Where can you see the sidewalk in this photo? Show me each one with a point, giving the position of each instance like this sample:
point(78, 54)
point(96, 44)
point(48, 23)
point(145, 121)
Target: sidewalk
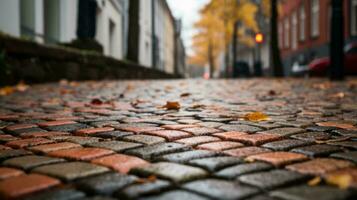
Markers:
point(256, 139)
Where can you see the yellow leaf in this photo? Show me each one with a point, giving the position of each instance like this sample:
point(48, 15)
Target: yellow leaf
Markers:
point(343, 181)
point(256, 117)
point(172, 105)
point(315, 181)
point(7, 90)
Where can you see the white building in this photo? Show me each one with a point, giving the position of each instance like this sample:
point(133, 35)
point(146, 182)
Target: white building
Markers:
point(55, 21)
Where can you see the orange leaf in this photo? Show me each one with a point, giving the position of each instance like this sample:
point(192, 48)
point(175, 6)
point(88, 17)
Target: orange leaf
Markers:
point(7, 90)
point(256, 117)
point(172, 105)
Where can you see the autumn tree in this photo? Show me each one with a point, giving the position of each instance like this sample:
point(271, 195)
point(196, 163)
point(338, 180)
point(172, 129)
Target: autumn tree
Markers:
point(215, 29)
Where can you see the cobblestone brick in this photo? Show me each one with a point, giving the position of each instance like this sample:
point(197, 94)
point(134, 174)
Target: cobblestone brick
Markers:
point(67, 127)
point(201, 130)
point(284, 145)
point(192, 141)
point(285, 131)
point(70, 171)
point(176, 195)
point(141, 189)
point(6, 172)
point(317, 150)
point(186, 156)
point(215, 163)
point(178, 126)
point(149, 152)
point(58, 194)
point(220, 189)
point(24, 184)
point(56, 123)
point(10, 153)
point(171, 171)
point(219, 146)
point(246, 151)
point(43, 134)
point(316, 192)
point(319, 166)
point(241, 169)
point(170, 134)
point(347, 144)
point(240, 128)
point(92, 131)
point(46, 148)
point(272, 179)
point(76, 139)
point(117, 146)
point(113, 134)
point(29, 162)
point(80, 153)
point(278, 158)
point(144, 139)
point(19, 126)
point(27, 142)
point(351, 156)
point(138, 129)
point(105, 184)
point(120, 162)
point(19, 132)
point(312, 136)
point(257, 139)
point(231, 135)
point(7, 138)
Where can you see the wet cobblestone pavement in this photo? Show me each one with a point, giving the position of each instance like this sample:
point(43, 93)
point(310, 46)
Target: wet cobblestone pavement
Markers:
point(256, 139)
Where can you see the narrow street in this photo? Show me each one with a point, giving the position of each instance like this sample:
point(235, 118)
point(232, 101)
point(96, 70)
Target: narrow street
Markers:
point(189, 139)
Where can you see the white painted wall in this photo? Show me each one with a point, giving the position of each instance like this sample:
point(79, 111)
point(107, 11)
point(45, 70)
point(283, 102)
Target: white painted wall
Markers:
point(145, 37)
point(109, 28)
point(68, 20)
point(10, 17)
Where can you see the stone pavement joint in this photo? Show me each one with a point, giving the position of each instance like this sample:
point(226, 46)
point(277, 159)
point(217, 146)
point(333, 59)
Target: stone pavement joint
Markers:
point(71, 146)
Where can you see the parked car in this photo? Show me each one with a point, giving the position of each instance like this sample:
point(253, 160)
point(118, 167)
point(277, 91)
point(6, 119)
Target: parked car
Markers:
point(320, 66)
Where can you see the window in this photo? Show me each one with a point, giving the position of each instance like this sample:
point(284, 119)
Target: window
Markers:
point(286, 33)
point(354, 17)
point(294, 31)
point(302, 21)
point(315, 8)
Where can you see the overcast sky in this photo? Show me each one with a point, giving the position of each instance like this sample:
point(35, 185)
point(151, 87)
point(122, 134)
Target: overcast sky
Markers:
point(188, 11)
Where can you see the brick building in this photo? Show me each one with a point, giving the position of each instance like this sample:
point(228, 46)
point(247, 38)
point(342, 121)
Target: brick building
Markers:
point(304, 29)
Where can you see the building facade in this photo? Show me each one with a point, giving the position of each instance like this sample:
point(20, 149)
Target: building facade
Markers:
point(55, 21)
point(304, 29)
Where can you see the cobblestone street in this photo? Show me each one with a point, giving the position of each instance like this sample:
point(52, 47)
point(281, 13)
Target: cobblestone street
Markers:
point(256, 139)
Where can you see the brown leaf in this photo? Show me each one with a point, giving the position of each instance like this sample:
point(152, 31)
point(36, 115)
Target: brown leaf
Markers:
point(256, 117)
point(272, 93)
point(21, 86)
point(185, 94)
point(96, 102)
point(172, 105)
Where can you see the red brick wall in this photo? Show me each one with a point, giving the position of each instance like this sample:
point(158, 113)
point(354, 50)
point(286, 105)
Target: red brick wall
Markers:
point(288, 8)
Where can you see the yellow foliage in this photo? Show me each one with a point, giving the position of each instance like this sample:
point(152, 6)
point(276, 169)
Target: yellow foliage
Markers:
point(216, 26)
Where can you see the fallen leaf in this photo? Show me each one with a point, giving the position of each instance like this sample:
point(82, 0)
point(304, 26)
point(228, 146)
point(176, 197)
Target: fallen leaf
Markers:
point(272, 93)
point(315, 181)
point(21, 86)
point(343, 181)
point(96, 102)
point(196, 106)
point(172, 105)
point(185, 94)
point(256, 117)
point(150, 179)
point(7, 90)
